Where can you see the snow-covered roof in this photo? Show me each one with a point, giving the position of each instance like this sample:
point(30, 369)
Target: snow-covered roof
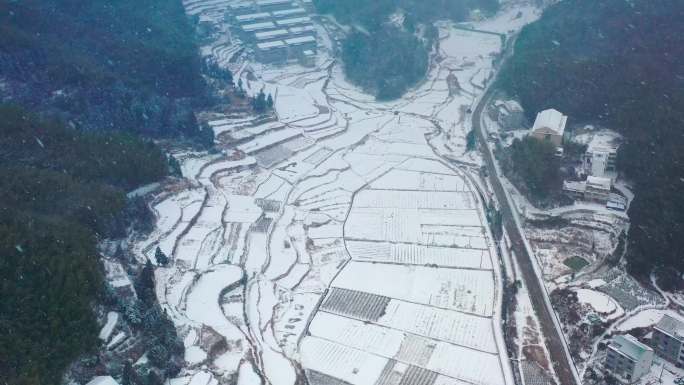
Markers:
point(574, 186)
point(671, 326)
point(103, 380)
point(294, 20)
point(289, 12)
point(271, 34)
point(273, 2)
point(252, 16)
point(301, 40)
point(629, 346)
point(258, 26)
point(551, 119)
point(302, 28)
point(599, 182)
point(509, 105)
point(241, 5)
point(271, 45)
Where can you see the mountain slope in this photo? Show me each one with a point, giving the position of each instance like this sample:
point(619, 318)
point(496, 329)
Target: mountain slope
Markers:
point(620, 63)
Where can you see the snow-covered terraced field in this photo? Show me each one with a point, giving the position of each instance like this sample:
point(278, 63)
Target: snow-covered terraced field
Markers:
point(345, 241)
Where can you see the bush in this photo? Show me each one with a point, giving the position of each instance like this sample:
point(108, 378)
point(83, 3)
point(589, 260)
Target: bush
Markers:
point(536, 163)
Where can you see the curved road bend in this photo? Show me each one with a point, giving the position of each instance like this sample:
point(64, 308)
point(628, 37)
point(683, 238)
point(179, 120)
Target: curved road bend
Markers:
point(565, 369)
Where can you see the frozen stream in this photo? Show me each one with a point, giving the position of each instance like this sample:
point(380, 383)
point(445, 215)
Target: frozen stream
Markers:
point(349, 243)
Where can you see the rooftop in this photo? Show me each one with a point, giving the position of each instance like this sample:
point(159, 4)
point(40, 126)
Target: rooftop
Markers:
point(295, 20)
point(302, 29)
point(273, 2)
point(575, 186)
point(552, 119)
point(671, 326)
point(258, 26)
point(599, 182)
point(271, 34)
point(301, 40)
point(289, 12)
point(629, 346)
point(271, 45)
point(252, 16)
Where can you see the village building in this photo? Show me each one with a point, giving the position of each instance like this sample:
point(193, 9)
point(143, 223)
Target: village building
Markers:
point(287, 13)
point(595, 189)
point(304, 20)
point(280, 30)
point(598, 189)
point(628, 359)
point(256, 27)
point(509, 114)
point(549, 126)
point(271, 52)
point(252, 17)
point(271, 35)
point(301, 30)
point(668, 338)
point(308, 58)
point(600, 161)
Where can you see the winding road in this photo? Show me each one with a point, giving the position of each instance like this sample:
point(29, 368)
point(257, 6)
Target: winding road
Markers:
point(555, 342)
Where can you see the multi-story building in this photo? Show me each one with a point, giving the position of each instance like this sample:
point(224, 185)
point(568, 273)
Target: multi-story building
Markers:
point(668, 338)
point(628, 359)
point(549, 126)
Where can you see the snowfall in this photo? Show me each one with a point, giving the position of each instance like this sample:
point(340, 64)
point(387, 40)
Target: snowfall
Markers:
point(347, 241)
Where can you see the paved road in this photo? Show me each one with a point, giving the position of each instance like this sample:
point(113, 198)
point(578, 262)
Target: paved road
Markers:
point(538, 295)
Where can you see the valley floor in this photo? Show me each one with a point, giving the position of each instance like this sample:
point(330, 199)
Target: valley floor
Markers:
point(344, 239)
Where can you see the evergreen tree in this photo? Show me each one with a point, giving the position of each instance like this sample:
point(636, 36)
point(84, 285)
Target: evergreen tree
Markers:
point(153, 378)
point(129, 376)
point(162, 259)
point(206, 135)
point(144, 285)
point(259, 102)
point(158, 355)
point(174, 166)
point(120, 255)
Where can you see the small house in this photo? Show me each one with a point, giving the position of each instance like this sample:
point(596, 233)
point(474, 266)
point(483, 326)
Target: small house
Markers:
point(549, 126)
point(628, 359)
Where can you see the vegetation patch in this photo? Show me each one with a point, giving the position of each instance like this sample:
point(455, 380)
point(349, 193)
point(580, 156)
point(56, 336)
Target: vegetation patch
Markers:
point(387, 52)
point(576, 263)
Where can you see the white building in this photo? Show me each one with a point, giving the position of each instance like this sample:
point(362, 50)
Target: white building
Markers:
point(668, 339)
point(628, 359)
point(510, 114)
point(550, 126)
point(598, 189)
point(601, 161)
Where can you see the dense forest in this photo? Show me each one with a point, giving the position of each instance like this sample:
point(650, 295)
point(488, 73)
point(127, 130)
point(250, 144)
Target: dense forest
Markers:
point(128, 65)
point(619, 63)
point(87, 81)
point(532, 165)
point(62, 190)
point(404, 42)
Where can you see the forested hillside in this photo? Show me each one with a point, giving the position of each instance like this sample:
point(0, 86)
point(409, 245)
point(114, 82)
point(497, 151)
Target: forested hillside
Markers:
point(87, 81)
point(388, 57)
point(620, 63)
point(61, 191)
point(128, 65)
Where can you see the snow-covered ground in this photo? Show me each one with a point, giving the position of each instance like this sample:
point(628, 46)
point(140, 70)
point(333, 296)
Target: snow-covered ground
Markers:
point(347, 240)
